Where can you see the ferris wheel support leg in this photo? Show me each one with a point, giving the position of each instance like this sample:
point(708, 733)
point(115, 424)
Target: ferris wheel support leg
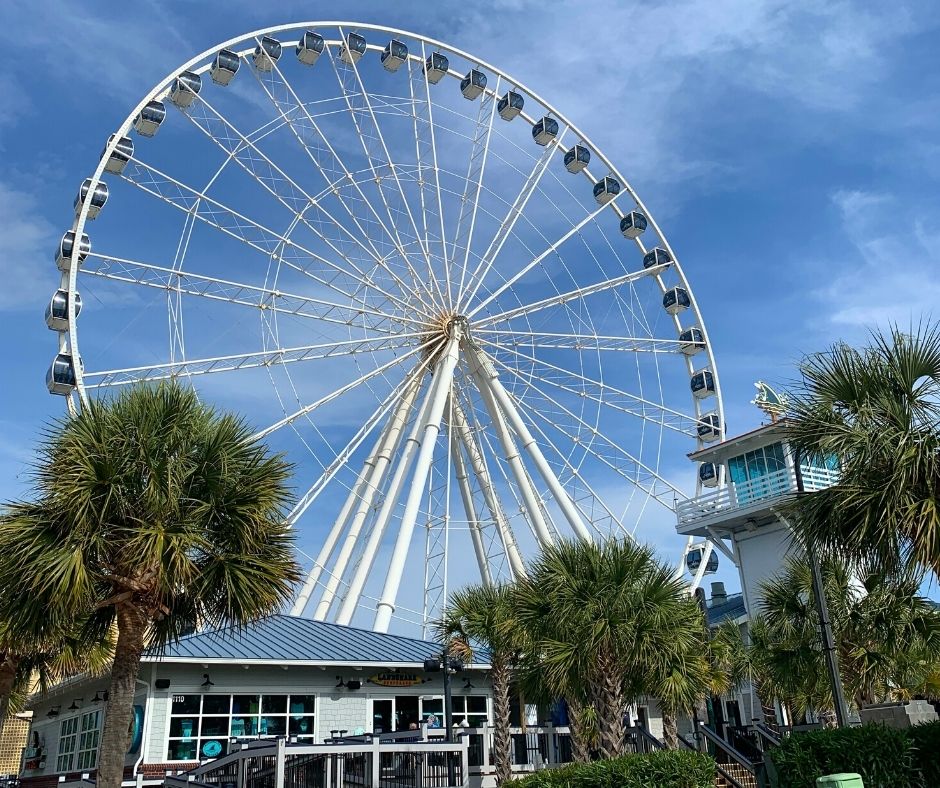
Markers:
point(354, 592)
point(377, 465)
point(443, 377)
point(486, 373)
point(466, 495)
point(478, 466)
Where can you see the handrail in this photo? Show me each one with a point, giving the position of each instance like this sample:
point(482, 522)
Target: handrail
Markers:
point(767, 733)
point(645, 734)
point(721, 744)
point(731, 780)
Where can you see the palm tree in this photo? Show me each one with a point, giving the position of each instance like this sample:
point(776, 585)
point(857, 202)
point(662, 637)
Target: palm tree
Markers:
point(483, 615)
point(157, 513)
point(876, 410)
point(606, 616)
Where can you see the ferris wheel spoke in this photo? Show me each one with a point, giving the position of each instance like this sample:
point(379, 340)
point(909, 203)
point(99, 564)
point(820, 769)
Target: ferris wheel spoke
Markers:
point(551, 249)
point(571, 295)
point(176, 280)
point(469, 507)
point(266, 358)
point(278, 183)
point(233, 223)
point(506, 226)
point(380, 159)
point(603, 393)
point(517, 338)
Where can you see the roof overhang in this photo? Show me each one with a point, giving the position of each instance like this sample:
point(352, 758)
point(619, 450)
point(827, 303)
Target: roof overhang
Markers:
point(311, 663)
point(730, 444)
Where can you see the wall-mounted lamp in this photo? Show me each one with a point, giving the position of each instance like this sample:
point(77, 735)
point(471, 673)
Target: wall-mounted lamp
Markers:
point(208, 682)
point(352, 684)
point(466, 684)
point(53, 712)
point(75, 706)
point(100, 696)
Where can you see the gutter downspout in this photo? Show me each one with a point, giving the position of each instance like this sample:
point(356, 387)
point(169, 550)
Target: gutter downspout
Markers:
point(145, 728)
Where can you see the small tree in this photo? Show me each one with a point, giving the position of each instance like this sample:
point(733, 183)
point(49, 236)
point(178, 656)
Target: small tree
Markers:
point(157, 513)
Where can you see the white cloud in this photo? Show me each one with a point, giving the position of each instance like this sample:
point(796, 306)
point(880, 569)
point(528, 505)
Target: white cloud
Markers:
point(28, 243)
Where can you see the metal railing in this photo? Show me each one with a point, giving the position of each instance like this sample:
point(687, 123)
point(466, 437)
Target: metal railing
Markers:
point(763, 488)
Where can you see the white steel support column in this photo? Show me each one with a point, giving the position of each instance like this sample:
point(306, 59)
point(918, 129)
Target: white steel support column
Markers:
point(443, 377)
point(351, 598)
point(378, 464)
point(466, 495)
point(485, 373)
point(478, 466)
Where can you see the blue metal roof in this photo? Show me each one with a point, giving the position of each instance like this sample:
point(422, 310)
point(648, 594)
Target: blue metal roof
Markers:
point(284, 638)
point(731, 608)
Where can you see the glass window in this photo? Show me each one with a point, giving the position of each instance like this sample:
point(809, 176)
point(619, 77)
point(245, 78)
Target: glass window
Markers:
point(67, 741)
point(758, 473)
point(216, 704)
point(273, 704)
point(88, 740)
point(185, 704)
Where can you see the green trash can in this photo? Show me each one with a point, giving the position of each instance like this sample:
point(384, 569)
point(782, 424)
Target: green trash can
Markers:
point(846, 780)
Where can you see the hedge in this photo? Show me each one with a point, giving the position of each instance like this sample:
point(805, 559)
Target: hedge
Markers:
point(660, 769)
point(884, 757)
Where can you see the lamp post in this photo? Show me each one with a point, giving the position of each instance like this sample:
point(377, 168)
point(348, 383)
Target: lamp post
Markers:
point(448, 665)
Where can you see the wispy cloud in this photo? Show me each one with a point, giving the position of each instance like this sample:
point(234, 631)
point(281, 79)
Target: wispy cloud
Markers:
point(28, 241)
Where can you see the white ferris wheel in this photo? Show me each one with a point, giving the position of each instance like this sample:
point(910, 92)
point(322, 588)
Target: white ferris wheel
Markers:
point(419, 279)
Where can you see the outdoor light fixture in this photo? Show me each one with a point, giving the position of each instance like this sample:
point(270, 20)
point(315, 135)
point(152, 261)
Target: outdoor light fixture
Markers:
point(100, 696)
point(466, 684)
point(208, 682)
point(53, 712)
point(352, 684)
point(75, 706)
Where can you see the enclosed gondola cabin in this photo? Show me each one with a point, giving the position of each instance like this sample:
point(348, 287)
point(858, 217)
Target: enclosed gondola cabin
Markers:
point(510, 105)
point(60, 379)
point(657, 256)
point(310, 47)
point(702, 384)
point(606, 189)
point(267, 53)
point(354, 47)
point(633, 225)
point(545, 130)
point(57, 311)
point(96, 200)
point(676, 300)
point(577, 158)
point(693, 560)
point(148, 120)
point(185, 89)
point(435, 67)
point(709, 428)
point(708, 474)
point(63, 252)
point(224, 67)
point(473, 84)
point(394, 55)
point(122, 153)
point(691, 341)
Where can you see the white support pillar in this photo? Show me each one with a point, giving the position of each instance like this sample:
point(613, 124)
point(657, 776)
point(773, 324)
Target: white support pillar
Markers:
point(485, 373)
point(354, 592)
point(478, 466)
point(443, 377)
point(377, 464)
point(466, 495)
point(706, 554)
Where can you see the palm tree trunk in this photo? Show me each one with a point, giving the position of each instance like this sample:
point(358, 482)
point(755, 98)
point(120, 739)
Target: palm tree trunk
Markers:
point(8, 667)
point(580, 735)
point(670, 731)
point(502, 755)
point(612, 706)
point(116, 735)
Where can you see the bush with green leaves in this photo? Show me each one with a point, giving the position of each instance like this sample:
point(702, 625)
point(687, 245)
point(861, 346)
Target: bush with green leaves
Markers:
point(925, 743)
point(661, 769)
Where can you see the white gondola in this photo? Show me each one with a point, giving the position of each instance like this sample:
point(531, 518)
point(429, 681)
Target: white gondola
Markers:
point(224, 67)
point(545, 130)
point(693, 561)
point(633, 225)
point(657, 256)
point(57, 311)
point(96, 201)
point(394, 55)
point(691, 341)
point(708, 474)
point(267, 53)
point(709, 427)
point(702, 384)
point(310, 47)
point(435, 67)
point(510, 105)
point(185, 89)
point(121, 154)
point(148, 120)
point(473, 84)
point(63, 252)
point(676, 300)
point(354, 47)
point(606, 189)
point(577, 158)
point(60, 379)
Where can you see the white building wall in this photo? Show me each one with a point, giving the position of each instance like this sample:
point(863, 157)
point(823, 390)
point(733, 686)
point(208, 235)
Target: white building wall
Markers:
point(761, 555)
point(341, 712)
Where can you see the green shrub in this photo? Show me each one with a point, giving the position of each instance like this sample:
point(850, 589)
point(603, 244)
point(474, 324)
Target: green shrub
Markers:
point(662, 769)
point(925, 743)
point(882, 756)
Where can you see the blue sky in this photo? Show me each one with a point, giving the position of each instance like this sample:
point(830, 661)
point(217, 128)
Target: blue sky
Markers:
point(789, 151)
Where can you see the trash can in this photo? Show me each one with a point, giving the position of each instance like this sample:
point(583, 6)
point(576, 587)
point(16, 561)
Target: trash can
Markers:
point(845, 780)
